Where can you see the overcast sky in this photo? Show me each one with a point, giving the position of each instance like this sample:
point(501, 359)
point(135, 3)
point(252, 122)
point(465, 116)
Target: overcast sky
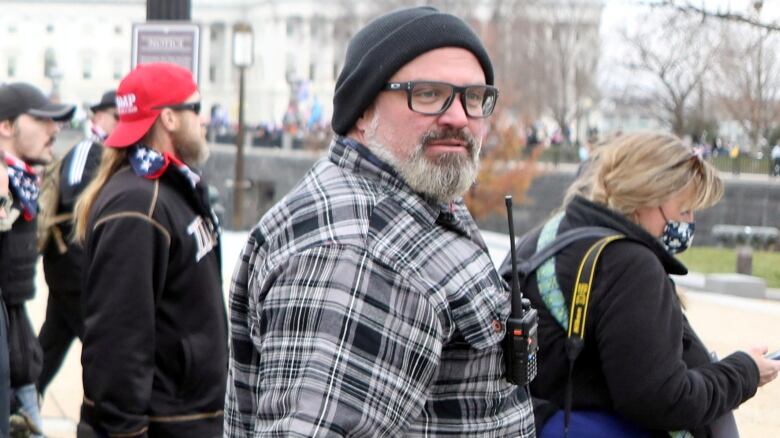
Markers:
point(620, 14)
point(616, 12)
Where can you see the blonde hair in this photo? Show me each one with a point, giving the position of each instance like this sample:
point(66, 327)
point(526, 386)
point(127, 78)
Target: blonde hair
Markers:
point(645, 170)
point(112, 160)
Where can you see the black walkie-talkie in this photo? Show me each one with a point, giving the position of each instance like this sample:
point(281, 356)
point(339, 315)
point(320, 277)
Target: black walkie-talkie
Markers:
point(520, 342)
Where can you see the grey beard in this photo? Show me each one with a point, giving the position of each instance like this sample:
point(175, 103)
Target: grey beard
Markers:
point(442, 180)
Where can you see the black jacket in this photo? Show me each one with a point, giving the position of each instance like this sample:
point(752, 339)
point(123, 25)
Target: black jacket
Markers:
point(641, 358)
point(79, 165)
point(155, 343)
point(18, 256)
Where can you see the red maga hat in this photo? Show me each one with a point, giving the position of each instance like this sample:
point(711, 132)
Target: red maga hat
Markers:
point(140, 96)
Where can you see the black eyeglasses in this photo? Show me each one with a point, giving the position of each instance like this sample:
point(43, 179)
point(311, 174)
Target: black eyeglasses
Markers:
point(433, 98)
point(192, 106)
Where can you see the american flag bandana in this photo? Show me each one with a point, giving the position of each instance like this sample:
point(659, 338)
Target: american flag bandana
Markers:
point(150, 164)
point(24, 184)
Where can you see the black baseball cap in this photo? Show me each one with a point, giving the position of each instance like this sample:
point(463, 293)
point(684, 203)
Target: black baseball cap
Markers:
point(20, 98)
point(107, 101)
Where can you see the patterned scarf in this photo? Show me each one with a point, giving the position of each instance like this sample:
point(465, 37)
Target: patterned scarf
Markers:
point(24, 184)
point(150, 164)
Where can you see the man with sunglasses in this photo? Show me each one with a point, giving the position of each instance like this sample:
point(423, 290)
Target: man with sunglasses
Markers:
point(29, 123)
point(365, 302)
point(154, 352)
point(62, 258)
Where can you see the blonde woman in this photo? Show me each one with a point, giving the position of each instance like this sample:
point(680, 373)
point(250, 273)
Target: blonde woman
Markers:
point(642, 370)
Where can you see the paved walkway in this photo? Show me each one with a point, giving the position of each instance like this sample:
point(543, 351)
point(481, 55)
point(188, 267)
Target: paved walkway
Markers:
point(725, 323)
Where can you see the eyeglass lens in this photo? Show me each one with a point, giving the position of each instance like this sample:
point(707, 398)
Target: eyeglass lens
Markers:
point(194, 107)
point(435, 98)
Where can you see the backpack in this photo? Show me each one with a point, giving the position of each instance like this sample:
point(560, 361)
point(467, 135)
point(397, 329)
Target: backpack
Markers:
point(48, 205)
point(572, 320)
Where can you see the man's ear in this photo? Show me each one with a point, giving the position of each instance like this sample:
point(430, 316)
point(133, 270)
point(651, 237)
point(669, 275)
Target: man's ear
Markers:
point(364, 121)
point(169, 119)
point(6, 129)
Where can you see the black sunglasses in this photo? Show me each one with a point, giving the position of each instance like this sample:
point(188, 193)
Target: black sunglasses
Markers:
point(192, 106)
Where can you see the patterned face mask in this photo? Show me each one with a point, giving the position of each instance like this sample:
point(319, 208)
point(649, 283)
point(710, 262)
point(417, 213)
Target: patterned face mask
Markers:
point(677, 236)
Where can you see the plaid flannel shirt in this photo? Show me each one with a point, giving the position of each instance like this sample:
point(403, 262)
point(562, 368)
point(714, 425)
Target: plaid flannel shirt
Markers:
point(360, 309)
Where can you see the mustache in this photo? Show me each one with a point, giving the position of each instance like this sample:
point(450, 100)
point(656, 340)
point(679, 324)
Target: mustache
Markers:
point(449, 134)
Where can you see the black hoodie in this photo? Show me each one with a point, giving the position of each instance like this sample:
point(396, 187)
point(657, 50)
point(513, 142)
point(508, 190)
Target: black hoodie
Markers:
point(155, 341)
point(641, 358)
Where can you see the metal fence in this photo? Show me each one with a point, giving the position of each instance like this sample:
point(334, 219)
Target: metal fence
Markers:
point(742, 164)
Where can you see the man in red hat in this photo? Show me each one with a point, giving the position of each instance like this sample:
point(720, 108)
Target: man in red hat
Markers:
point(29, 124)
point(62, 259)
point(155, 331)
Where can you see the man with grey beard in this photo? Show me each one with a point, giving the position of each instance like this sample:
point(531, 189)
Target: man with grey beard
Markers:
point(365, 302)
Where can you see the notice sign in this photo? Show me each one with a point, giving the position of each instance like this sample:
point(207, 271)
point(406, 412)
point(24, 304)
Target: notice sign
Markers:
point(174, 42)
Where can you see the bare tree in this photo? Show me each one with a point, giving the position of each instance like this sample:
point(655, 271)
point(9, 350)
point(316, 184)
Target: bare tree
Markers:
point(547, 52)
point(697, 9)
point(749, 75)
point(670, 60)
point(573, 57)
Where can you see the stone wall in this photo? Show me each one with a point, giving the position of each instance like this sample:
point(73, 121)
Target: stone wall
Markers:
point(749, 200)
point(271, 172)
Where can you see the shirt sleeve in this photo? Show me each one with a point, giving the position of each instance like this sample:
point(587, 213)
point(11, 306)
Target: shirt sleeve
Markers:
point(640, 340)
point(126, 269)
point(348, 347)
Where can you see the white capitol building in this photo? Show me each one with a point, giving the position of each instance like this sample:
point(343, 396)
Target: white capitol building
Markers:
point(77, 49)
point(85, 46)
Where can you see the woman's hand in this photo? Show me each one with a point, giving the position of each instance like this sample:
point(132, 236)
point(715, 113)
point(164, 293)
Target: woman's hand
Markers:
point(767, 368)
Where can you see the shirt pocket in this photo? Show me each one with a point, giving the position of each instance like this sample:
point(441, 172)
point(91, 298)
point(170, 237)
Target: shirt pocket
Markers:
point(480, 314)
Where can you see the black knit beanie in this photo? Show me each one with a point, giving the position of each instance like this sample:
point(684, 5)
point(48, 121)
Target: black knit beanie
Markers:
point(388, 43)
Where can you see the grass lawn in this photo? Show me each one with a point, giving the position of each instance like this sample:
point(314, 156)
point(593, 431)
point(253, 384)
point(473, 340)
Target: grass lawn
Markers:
point(721, 260)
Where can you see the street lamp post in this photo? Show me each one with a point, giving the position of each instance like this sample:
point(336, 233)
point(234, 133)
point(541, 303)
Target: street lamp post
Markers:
point(243, 57)
point(760, 81)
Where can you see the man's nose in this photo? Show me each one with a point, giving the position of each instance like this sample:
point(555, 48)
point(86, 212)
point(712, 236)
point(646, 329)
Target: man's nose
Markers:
point(455, 115)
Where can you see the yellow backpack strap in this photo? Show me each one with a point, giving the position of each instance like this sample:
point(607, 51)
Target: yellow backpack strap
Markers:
point(581, 294)
point(578, 314)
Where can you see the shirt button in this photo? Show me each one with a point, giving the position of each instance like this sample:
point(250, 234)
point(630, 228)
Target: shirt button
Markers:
point(497, 326)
